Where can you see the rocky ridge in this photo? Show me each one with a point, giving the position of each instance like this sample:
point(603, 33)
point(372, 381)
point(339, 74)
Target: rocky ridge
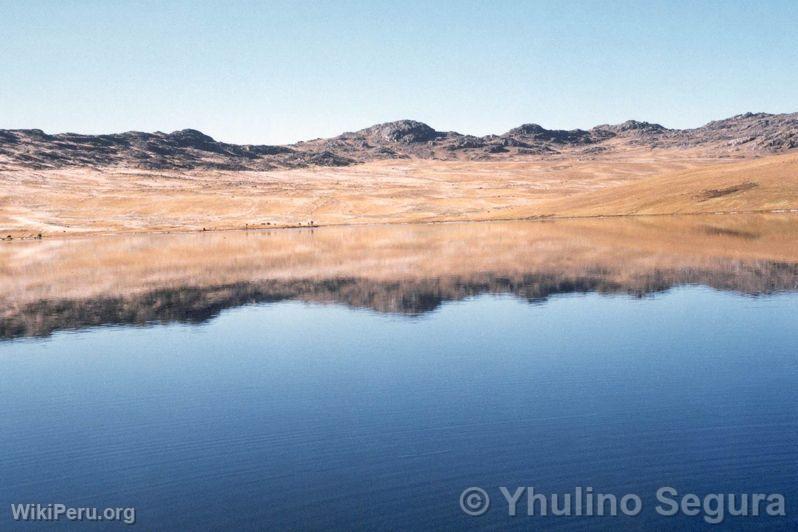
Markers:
point(190, 149)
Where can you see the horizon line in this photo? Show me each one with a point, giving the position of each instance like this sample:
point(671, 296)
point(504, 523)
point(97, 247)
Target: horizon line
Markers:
point(376, 124)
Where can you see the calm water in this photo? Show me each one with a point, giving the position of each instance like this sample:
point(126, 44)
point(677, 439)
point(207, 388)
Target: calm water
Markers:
point(377, 412)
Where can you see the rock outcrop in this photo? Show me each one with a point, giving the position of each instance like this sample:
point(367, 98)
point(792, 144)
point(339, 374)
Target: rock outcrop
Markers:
point(190, 149)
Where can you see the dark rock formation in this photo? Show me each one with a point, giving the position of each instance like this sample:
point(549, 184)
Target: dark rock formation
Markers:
point(402, 131)
point(632, 127)
point(190, 149)
point(761, 131)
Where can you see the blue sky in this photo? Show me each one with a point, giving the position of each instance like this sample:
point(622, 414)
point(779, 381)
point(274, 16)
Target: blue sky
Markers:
point(274, 72)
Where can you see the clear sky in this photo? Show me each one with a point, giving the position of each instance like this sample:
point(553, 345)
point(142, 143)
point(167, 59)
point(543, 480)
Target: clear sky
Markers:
point(274, 72)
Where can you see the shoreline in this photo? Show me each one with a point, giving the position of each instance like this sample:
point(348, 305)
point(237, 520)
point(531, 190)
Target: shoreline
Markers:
point(541, 218)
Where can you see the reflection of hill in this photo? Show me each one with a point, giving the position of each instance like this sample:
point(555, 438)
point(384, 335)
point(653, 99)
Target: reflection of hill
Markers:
point(52, 285)
point(193, 304)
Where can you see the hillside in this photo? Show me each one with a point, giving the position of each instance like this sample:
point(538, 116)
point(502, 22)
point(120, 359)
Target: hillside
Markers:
point(190, 149)
point(60, 185)
point(767, 184)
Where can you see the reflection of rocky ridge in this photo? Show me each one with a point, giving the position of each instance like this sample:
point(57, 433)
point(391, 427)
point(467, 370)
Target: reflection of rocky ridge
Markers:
point(190, 149)
point(189, 304)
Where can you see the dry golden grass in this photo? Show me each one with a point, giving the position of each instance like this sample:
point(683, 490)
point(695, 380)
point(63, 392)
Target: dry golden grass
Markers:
point(765, 185)
point(81, 201)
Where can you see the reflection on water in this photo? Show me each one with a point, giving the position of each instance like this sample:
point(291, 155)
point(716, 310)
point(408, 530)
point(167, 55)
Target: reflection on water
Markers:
point(71, 284)
point(290, 416)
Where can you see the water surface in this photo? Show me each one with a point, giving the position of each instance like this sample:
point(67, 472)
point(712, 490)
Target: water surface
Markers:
point(364, 377)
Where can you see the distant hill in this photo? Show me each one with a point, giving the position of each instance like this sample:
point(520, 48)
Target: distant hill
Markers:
point(190, 149)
